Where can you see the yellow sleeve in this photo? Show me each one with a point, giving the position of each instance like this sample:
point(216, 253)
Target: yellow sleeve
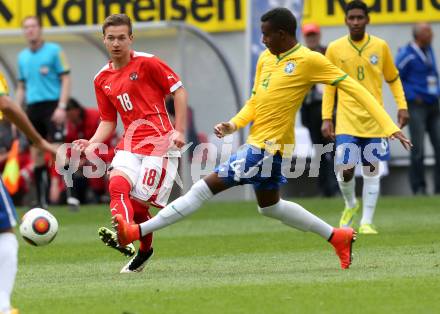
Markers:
point(391, 75)
point(398, 93)
point(321, 70)
point(3, 85)
point(328, 99)
point(247, 113)
point(364, 98)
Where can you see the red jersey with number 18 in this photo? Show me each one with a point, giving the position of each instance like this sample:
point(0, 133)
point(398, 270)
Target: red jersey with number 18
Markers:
point(137, 91)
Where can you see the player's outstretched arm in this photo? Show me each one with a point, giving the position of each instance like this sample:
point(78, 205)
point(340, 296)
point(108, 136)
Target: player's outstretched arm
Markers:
point(363, 97)
point(103, 132)
point(16, 115)
point(224, 128)
point(406, 143)
point(367, 100)
point(323, 71)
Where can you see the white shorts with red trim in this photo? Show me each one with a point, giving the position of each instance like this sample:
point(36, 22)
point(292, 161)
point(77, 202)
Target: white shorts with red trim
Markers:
point(152, 177)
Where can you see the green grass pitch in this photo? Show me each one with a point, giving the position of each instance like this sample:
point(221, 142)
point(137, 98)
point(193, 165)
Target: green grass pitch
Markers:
point(228, 259)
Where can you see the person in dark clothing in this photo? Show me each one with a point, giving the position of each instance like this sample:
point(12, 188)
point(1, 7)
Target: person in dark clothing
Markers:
point(418, 71)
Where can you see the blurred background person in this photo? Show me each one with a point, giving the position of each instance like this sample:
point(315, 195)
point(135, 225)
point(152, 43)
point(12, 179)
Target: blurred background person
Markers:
point(82, 122)
point(418, 71)
point(311, 117)
point(359, 138)
point(44, 87)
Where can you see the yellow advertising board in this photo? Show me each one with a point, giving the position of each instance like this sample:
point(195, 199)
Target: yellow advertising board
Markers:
point(9, 13)
point(209, 15)
point(331, 13)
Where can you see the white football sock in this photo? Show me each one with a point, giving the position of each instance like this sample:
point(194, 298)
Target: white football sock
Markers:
point(178, 209)
point(348, 192)
point(8, 268)
point(296, 216)
point(370, 194)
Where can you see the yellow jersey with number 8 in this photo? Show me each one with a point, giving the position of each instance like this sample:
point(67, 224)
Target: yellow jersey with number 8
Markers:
point(369, 62)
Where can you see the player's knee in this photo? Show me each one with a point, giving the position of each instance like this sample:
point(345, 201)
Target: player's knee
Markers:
point(348, 174)
point(371, 172)
point(270, 211)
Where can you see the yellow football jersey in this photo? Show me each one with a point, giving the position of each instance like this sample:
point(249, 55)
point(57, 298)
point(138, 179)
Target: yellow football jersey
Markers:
point(3, 85)
point(3, 89)
point(281, 82)
point(369, 62)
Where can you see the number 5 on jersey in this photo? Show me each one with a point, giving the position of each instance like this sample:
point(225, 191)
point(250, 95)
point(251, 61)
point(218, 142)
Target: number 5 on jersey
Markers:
point(126, 104)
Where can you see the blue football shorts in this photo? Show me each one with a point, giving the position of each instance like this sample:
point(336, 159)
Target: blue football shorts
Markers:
point(352, 149)
point(8, 215)
point(253, 165)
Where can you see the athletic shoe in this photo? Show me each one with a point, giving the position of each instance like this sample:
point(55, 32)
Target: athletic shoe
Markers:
point(368, 229)
point(126, 233)
point(342, 240)
point(73, 203)
point(137, 263)
point(347, 216)
point(109, 238)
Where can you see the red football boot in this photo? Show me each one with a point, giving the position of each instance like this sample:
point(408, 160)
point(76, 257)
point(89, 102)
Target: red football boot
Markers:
point(126, 232)
point(342, 240)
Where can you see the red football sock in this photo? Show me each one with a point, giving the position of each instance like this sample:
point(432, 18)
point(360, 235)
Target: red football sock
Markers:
point(120, 202)
point(142, 214)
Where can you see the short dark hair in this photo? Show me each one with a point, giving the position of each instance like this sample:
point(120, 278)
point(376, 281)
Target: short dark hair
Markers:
point(73, 104)
point(117, 20)
point(32, 17)
point(281, 18)
point(356, 4)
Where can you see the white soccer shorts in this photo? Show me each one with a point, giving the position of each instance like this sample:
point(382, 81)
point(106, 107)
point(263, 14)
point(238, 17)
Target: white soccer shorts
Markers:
point(152, 176)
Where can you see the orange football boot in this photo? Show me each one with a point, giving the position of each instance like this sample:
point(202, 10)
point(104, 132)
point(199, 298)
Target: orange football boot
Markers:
point(126, 232)
point(342, 240)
